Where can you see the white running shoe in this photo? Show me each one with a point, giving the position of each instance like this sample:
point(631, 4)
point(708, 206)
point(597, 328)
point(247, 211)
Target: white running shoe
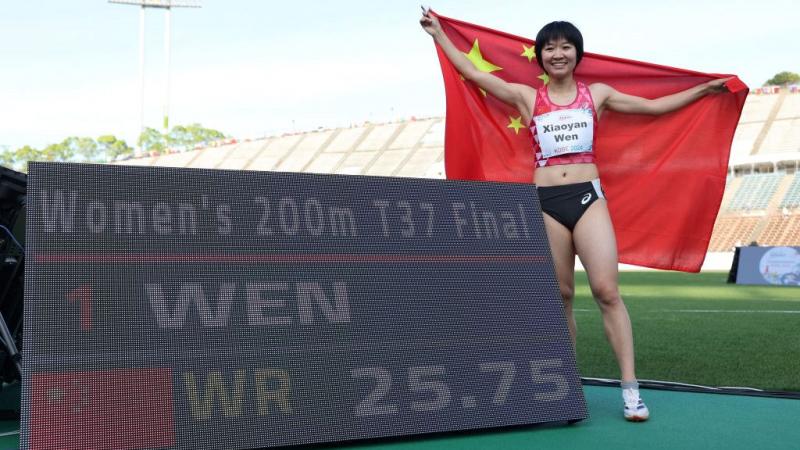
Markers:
point(635, 409)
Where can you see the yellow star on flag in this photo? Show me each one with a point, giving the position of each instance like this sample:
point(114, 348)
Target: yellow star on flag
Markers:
point(516, 123)
point(477, 59)
point(544, 78)
point(530, 52)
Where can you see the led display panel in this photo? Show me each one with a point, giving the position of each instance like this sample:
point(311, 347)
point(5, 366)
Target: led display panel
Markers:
point(203, 309)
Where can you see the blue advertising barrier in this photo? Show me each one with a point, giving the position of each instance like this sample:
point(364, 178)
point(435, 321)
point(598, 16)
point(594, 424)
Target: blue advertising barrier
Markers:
point(768, 265)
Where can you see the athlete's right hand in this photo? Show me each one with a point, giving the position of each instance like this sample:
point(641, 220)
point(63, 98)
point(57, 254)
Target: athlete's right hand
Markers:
point(430, 23)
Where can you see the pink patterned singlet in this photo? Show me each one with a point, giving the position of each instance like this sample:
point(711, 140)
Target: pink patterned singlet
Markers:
point(564, 134)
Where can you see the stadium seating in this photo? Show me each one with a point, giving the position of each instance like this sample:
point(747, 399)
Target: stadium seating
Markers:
point(732, 231)
point(781, 229)
point(789, 108)
point(305, 150)
point(744, 139)
point(755, 191)
point(413, 148)
point(757, 108)
point(792, 197)
point(211, 158)
point(244, 154)
point(410, 135)
point(757, 210)
point(346, 140)
point(783, 136)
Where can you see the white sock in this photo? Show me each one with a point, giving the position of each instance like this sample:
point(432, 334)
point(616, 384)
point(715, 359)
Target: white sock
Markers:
point(629, 385)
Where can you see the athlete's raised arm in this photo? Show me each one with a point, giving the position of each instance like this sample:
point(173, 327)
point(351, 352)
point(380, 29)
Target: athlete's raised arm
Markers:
point(515, 95)
point(607, 97)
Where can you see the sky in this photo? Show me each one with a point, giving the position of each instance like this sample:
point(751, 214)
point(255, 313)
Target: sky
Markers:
point(253, 68)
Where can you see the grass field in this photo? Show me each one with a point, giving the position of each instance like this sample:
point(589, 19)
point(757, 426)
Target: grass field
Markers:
point(695, 328)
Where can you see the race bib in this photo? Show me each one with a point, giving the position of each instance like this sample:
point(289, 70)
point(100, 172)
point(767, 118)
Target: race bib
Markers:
point(565, 131)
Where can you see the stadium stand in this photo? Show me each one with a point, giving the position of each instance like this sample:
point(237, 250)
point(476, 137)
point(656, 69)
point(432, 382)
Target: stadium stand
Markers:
point(790, 107)
point(413, 148)
point(764, 208)
point(273, 153)
point(731, 187)
point(244, 155)
point(210, 158)
point(762, 196)
point(755, 191)
point(745, 139)
point(755, 115)
point(732, 231)
point(306, 149)
point(792, 197)
point(783, 137)
point(761, 201)
point(780, 230)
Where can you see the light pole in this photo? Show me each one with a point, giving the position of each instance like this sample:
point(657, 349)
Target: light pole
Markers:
point(167, 6)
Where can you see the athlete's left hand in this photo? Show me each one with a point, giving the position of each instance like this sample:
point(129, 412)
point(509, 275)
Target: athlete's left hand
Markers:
point(717, 85)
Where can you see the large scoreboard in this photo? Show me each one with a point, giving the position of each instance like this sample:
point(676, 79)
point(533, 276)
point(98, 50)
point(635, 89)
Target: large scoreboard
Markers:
point(208, 309)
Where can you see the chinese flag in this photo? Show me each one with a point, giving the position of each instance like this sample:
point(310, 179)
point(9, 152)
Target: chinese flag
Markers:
point(121, 409)
point(664, 176)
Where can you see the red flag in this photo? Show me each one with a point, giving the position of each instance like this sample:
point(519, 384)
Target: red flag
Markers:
point(664, 176)
point(114, 409)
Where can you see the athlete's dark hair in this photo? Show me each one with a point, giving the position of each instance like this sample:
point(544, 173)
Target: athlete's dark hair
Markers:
point(559, 30)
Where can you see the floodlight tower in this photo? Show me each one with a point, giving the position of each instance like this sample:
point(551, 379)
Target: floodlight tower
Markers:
point(167, 6)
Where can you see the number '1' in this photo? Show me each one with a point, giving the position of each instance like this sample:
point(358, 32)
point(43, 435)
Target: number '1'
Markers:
point(83, 295)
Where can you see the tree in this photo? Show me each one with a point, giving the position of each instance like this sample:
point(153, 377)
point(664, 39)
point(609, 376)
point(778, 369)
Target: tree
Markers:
point(55, 152)
point(21, 156)
point(82, 149)
point(151, 140)
point(107, 147)
point(783, 79)
point(192, 134)
point(71, 149)
point(113, 148)
point(6, 158)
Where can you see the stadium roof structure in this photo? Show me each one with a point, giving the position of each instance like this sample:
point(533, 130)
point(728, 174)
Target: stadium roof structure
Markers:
point(775, 160)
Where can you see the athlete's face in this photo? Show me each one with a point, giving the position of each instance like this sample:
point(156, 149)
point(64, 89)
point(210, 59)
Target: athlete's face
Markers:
point(559, 57)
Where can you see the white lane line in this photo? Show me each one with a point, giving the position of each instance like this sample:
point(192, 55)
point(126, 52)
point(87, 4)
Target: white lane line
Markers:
point(716, 311)
point(9, 433)
point(733, 311)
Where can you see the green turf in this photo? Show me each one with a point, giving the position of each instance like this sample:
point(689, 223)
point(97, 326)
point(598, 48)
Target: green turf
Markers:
point(756, 343)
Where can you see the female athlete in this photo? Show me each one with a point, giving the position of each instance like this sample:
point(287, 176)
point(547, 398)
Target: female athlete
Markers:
point(575, 212)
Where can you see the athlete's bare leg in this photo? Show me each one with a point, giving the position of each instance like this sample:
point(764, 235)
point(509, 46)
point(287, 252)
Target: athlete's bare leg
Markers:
point(561, 247)
point(596, 245)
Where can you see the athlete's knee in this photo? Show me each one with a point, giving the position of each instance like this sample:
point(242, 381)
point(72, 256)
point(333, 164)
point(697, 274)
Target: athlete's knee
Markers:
point(567, 293)
point(606, 294)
